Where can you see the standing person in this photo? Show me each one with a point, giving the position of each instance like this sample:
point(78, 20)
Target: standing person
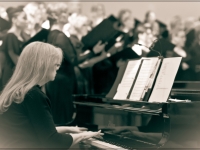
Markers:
point(12, 42)
point(25, 114)
point(140, 37)
point(151, 22)
point(61, 89)
point(195, 54)
point(86, 58)
point(98, 14)
point(36, 16)
point(127, 25)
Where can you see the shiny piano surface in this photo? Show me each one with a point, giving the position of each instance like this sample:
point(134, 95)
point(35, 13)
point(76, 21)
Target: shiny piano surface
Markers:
point(139, 124)
point(186, 90)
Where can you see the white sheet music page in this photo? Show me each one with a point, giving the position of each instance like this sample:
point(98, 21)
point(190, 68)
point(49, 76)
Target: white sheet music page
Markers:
point(127, 80)
point(144, 78)
point(165, 79)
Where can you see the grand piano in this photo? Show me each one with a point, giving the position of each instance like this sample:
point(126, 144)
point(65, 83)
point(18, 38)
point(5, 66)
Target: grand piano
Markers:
point(140, 124)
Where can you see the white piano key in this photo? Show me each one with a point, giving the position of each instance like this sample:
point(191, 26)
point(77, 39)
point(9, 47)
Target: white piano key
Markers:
point(107, 145)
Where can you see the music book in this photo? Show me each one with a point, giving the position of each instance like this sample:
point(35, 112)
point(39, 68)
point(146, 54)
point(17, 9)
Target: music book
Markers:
point(127, 53)
point(40, 36)
point(145, 79)
point(4, 24)
point(165, 79)
point(106, 31)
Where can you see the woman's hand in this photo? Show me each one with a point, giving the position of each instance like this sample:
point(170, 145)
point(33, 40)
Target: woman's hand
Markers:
point(99, 47)
point(84, 136)
point(89, 134)
point(91, 62)
point(77, 129)
point(65, 129)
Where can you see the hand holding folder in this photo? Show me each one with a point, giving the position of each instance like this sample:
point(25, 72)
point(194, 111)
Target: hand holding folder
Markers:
point(99, 47)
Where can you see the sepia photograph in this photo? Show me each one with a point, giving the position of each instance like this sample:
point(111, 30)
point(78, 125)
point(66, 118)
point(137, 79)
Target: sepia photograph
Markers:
point(95, 75)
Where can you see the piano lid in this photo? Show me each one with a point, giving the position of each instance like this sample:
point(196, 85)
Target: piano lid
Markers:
point(186, 90)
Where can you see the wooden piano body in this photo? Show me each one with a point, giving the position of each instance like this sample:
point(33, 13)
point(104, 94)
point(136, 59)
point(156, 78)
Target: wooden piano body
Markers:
point(142, 125)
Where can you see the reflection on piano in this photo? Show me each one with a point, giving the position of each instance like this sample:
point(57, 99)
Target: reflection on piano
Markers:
point(141, 124)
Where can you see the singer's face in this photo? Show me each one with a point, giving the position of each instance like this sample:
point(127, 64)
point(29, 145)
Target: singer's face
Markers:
point(63, 18)
point(181, 38)
point(151, 17)
point(128, 20)
point(21, 20)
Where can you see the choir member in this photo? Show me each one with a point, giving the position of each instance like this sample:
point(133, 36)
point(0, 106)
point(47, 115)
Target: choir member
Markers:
point(86, 58)
point(61, 89)
point(97, 14)
point(189, 25)
point(150, 20)
point(75, 8)
point(176, 23)
point(127, 25)
point(141, 36)
point(12, 42)
point(36, 16)
point(194, 52)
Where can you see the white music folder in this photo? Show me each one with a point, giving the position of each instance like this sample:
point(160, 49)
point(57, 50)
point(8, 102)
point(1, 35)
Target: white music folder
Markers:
point(165, 79)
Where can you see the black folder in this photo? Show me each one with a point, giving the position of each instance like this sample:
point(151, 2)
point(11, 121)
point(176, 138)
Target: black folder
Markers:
point(40, 36)
point(106, 31)
point(163, 29)
point(163, 46)
point(125, 54)
point(137, 22)
point(4, 24)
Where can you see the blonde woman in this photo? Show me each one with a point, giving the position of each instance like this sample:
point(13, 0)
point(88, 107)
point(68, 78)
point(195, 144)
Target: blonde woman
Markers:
point(25, 114)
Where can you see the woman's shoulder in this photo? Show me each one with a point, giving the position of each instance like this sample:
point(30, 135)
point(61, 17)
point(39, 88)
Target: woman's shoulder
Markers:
point(35, 92)
point(10, 39)
point(10, 35)
point(35, 96)
point(76, 42)
point(56, 34)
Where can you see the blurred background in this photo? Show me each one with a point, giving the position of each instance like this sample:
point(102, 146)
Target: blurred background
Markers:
point(164, 10)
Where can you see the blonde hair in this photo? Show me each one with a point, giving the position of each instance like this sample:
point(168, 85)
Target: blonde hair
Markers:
point(36, 15)
point(54, 10)
point(32, 68)
point(77, 21)
point(176, 22)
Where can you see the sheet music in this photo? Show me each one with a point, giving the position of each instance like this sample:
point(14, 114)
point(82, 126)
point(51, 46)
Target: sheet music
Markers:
point(165, 79)
point(127, 80)
point(144, 79)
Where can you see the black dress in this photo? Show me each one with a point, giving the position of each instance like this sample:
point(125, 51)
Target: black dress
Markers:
point(195, 61)
point(83, 75)
point(61, 89)
point(10, 42)
point(30, 124)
